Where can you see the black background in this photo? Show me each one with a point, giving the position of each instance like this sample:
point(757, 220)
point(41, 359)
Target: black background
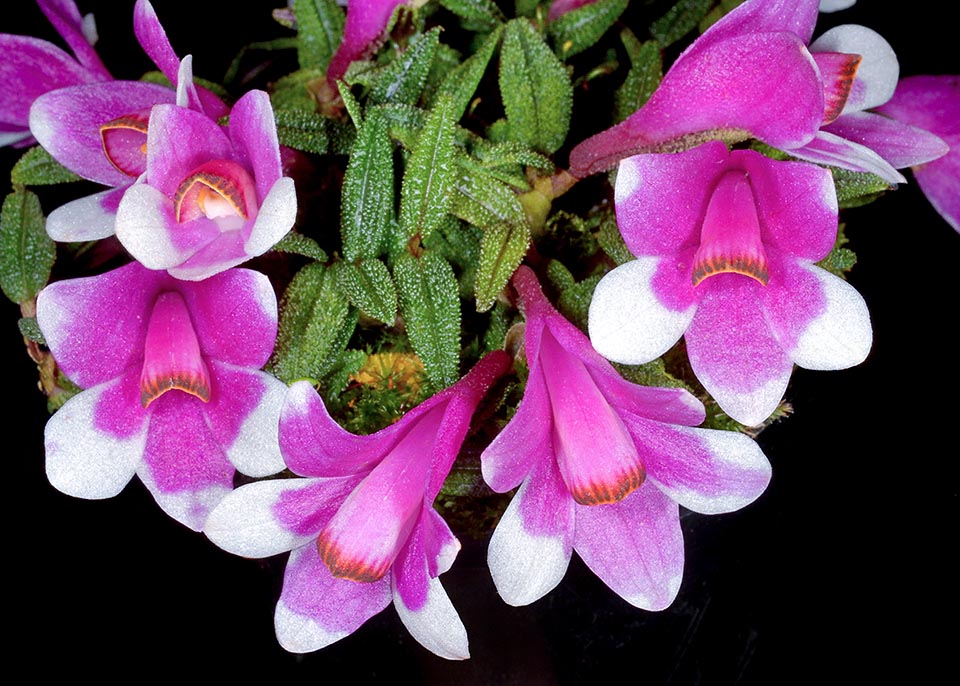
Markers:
point(843, 568)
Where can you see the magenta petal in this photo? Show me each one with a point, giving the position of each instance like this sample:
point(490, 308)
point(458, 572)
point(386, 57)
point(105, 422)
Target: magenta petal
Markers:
point(180, 140)
point(940, 182)
point(796, 16)
point(366, 22)
point(732, 351)
point(66, 19)
point(900, 144)
point(171, 352)
point(876, 77)
point(634, 546)
point(761, 85)
point(830, 149)
point(927, 102)
point(308, 505)
point(254, 132)
point(317, 609)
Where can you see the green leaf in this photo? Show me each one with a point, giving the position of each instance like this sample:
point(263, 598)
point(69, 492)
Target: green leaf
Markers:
point(298, 244)
point(459, 243)
point(482, 200)
point(480, 15)
point(403, 79)
point(404, 123)
point(303, 130)
point(502, 248)
point(319, 31)
point(36, 167)
point(509, 153)
point(30, 330)
point(370, 287)
point(297, 91)
point(578, 30)
point(679, 20)
point(857, 188)
point(646, 72)
point(350, 103)
point(611, 241)
point(26, 252)
point(461, 83)
point(425, 195)
point(839, 260)
point(431, 310)
point(315, 325)
point(535, 87)
point(368, 191)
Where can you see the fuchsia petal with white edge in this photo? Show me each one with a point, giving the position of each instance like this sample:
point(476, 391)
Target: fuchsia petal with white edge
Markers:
point(66, 19)
point(365, 25)
point(86, 219)
point(634, 546)
point(900, 144)
point(254, 134)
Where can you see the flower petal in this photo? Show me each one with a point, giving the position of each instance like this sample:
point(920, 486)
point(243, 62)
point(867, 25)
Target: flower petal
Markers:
point(148, 229)
point(634, 546)
point(530, 549)
point(254, 133)
point(66, 19)
point(628, 322)
point(732, 351)
point(178, 141)
point(365, 24)
point(797, 16)
point(940, 182)
point(878, 71)
point(86, 219)
point(900, 144)
point(276, 216)
point(316, 609)
point(830, 149)
point(82, 459)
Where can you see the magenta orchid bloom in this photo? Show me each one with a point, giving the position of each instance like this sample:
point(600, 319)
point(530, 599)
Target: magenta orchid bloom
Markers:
point(603, 465)
point(362, 32)
point(361, 526)
point(726, 244)
point(211, 197)
point(30, 67)
point(99, 131)
point(932, 103)
point(749, 75)
point(173, 388)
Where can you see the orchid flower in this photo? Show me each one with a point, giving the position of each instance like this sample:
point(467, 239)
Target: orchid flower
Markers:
point(602, 465)
point(932, 103)
point(210, 198)
point(361, 527)
point(99, 131)
point(173, 391)
point(726, 243)
point(30, 67)
point(362, 32)
point(749, 75)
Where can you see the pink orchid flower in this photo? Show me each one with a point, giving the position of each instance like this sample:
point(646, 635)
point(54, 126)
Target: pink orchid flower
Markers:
point(99, 130)
point(932, 103)
point(211, 197)
point(362, 32)
point(603, 465)
point(30, 67)
point(173, 391)
point(361, 526)
point(726, 243)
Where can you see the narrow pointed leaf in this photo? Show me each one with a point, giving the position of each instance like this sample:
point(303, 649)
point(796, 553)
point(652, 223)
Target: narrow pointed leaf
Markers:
point(350, 103)
point(481, 14)
point(303, 130)
point(501, 250)
point(461, 83)
point(26, 252)
point(313, 317)
point(431, 310)
point(36, 167)
point(535, 88)
point(403, 79)
point(427, 182)
point(368, 191)
point(857, 188)
point(510, 153)
point(370, 287)
point(679, 20)
point(30, 330)
point(319, 31)
point(405, 122)
point(646, 72)
point(482, 200)
point(580, 29)
point(298, 244)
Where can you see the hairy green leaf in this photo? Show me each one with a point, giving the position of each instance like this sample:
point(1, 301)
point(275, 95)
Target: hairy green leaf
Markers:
point(36, 167)
point(403, 79)
point(461, 83)
point(303, 130)
point(370, 287)
point(646, 72)
point(857, 188)
point(431, 310)
point(319, 31)
point(298, 244)
point(535, 87)
point(425, 195)
point(580, 29)
point(482, 200)
point(26, 252)
point(30, 330)
point(679, 20)
point(501, 250)
point(368, 191)
point(479, 14)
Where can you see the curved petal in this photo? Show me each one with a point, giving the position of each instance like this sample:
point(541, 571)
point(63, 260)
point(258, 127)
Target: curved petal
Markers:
point(627, 321)
point(900, 144)
point(940, 182)
point(223, 251)
point(66, 19)
point(84, 461)
point(247, 522)
point(530, 549)
point(254, 133)
point(830, 149)
point(316, 609)
point(365, 24)
point(879, 70)
point(73, 315)
point(704, 470)
point(732, 351)
point(931, 103)
point(439, 544)
point(86, 219)
point(634, 546)
point(796, 16)
point(178, 141)
point(275, 218)
point(67, 123)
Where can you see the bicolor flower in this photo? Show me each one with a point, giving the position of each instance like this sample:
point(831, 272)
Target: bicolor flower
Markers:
point(211, 197)
point(749, 75)
point(362, 33)
point(173, 391)
point(602, 465)
point(932, 103)
point(361, 526)
point(726, 244)
point(30, 67)
point(99, 131)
